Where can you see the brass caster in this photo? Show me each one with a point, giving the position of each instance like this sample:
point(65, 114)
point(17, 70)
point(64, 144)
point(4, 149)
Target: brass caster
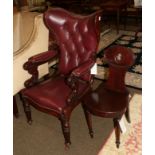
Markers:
point(67, 146)
point(117, 144)
point(29, 122)
point(91, 134)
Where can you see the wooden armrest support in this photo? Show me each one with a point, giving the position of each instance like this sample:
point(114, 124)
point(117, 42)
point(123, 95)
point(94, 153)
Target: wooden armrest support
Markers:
point(32, 66)
point(74, 79)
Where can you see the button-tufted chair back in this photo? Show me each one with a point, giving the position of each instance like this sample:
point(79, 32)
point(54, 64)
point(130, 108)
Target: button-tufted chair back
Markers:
point(76, 35)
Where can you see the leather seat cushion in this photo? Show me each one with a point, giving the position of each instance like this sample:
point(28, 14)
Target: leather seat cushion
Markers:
point(51, 94)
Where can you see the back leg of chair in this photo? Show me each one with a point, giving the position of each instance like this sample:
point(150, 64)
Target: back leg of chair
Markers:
point(27, 111)
point(88, 120)
point(127, 115)
point(66, 130)
point(15, 108)
point(117, 131)
point(20, 96)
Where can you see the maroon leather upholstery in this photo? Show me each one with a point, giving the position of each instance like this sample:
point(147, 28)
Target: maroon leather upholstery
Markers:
point(111, 98)
point(43, 57)
point(52, 94)
point(77, 38)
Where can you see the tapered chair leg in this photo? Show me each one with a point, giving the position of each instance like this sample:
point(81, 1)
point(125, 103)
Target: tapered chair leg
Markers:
point(117, 131)
point(27, 111)
point(89, 121)
point(66, 131)
point(127, 115)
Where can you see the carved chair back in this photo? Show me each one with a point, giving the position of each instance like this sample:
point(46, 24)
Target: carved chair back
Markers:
point(119, 59)
point(77, 37)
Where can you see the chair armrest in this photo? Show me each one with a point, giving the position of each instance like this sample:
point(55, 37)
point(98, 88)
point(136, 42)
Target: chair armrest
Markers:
point(32, 65)
point(43, 57)
point(84, 68)
point(77, 76)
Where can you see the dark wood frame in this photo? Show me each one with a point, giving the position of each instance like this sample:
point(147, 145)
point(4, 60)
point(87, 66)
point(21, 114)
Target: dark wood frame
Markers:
point(117, 70)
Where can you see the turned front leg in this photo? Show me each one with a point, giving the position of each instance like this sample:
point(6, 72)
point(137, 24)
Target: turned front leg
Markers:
point(117, 131)
point(89, 121)
point(66, 130)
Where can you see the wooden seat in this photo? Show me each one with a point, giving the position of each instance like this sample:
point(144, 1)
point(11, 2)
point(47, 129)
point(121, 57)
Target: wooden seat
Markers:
point(102, 102)
point(111, 98)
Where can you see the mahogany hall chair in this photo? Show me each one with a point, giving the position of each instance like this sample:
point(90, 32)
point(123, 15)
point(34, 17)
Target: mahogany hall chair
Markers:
point(77, 38)
point(111, 98)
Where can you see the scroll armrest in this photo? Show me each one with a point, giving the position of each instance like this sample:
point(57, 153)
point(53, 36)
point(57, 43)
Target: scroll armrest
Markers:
point(84, 68)
point(42, 57)
point(32, 66)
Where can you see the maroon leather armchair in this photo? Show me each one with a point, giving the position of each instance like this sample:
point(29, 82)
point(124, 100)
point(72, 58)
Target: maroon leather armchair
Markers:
point(77, 38)
point(111, 98)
